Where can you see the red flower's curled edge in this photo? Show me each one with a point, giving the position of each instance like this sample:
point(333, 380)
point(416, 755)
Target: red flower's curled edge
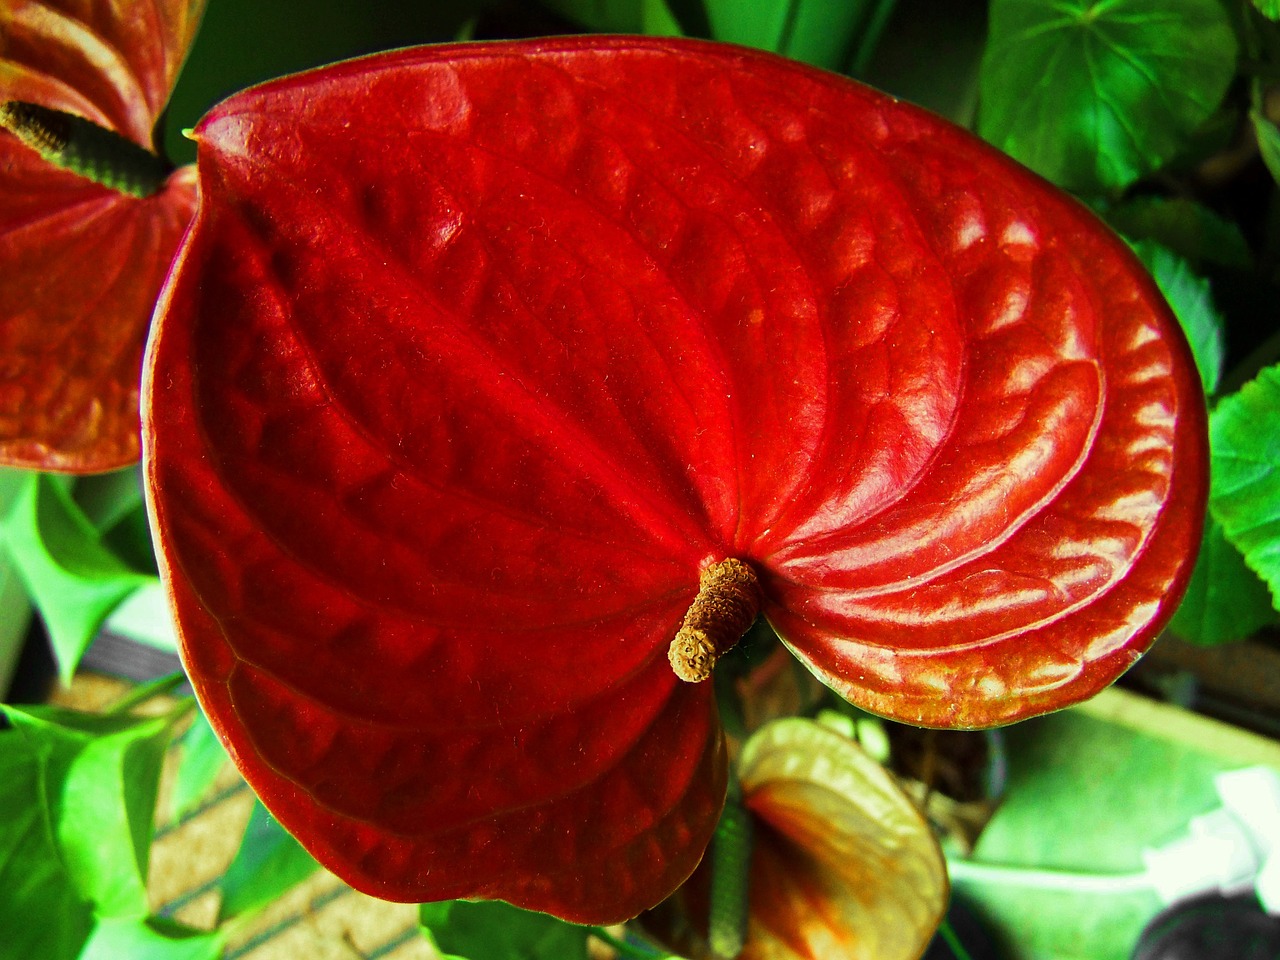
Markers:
point(80, 263)
point(476, 357)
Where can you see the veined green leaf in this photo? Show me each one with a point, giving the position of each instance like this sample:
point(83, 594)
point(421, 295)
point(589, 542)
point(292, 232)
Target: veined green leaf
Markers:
point(1225, 600)
point(268, 863)
point(1243, 432)
point(83, 789)
point(1192, 302)
point(491, 929)
point(71, 575)
point(1093, 94)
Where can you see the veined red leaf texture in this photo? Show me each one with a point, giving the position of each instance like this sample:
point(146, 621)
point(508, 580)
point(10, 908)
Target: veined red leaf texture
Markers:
point(476, 356)
point(80, 264)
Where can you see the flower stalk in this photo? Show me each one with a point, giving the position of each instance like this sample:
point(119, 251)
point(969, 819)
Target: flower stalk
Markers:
point(76, 144)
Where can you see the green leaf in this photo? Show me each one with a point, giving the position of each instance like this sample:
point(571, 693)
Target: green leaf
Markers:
point(612, 16)
point(1268, 8)
point(821, 32)
point(71, 575)
point(42, 913)
point(1192, 302)
point(1244, 437)
point(202, 758)
point(80, 793)
point(492, 929)
point(152, 939)
point(1094, 94)
point(1084, 796)
point(1225, 600)
point(268, 863)
point(105, 498)
point(145, 617)
point(1268, 142)
point(1192, 231)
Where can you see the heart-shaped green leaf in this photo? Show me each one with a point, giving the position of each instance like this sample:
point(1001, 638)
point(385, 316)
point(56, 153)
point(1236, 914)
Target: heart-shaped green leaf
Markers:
point(1246, 473)
point(1096, 93)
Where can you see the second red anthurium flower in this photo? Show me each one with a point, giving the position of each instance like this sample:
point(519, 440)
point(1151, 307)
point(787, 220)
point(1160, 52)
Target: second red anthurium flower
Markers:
point(486, 372)
point(81, 262)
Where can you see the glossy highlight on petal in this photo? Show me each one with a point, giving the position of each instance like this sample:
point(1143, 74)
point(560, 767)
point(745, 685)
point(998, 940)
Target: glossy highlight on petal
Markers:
point(476, 358)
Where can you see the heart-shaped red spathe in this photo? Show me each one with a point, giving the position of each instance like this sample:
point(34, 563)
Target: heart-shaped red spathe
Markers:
point(80, 264)
point(476, 356)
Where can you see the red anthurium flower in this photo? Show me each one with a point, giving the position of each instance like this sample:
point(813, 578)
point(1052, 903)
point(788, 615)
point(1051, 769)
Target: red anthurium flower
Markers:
point(842, 864)
point(486, 371)
point(81, 263)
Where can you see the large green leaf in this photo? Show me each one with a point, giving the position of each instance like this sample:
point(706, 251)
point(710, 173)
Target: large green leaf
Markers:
point(152, 939)
point(1083, 797)
point(1244, 434)
point(268, 863)
point(1225, 600)
point(1268, 8)
point(73, 577)
point(79, 794)
point(1192, 302)
point(42, 913)
point(492, 929)
point(1093, 94)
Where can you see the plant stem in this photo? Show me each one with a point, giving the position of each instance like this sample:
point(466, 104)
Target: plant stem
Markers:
point(730, 871)
point(144, 692)
point(952, 941)
point(625, 949)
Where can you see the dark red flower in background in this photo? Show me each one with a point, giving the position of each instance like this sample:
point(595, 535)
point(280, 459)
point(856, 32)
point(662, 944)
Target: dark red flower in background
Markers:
point(477, 358)
point(81, 263)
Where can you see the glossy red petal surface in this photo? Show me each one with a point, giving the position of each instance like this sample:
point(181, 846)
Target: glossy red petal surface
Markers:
point(109, 61)
point(475, 356)
point(80, 264)
point(80, 267)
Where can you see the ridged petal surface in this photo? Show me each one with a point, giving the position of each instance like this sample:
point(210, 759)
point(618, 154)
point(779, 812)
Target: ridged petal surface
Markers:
point(80, 264)
point(474, 358)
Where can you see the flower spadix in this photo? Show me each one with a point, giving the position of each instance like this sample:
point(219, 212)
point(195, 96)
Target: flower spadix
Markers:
point(478, 358)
